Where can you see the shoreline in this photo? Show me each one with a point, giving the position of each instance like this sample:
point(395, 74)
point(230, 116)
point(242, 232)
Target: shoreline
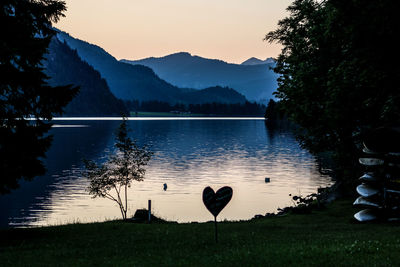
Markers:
point(324, 237)
point(328, 195)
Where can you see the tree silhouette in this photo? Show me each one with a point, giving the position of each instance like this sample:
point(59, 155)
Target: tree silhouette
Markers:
point(112, 179)
point(27, 102)
point(339, 73)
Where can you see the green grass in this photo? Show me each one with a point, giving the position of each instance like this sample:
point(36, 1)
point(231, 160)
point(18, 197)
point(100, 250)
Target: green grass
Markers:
point(323, 238)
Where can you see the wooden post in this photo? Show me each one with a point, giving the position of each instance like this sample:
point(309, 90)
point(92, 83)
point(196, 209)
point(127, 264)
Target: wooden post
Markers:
point(216, 230)
point(149, 219)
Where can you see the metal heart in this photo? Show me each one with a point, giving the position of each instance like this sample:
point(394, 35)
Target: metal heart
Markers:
point(215, 202)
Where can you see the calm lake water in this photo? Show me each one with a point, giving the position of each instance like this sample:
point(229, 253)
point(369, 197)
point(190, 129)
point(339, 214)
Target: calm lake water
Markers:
point(190, 154)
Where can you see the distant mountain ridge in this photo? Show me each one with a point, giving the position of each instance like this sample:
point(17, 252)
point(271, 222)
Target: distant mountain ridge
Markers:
point(64, 66)
point(256, 61)
point(129, 82)
point(256, 82)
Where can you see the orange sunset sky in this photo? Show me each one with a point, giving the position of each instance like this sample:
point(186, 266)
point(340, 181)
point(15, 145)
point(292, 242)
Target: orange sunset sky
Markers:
point(230, 30)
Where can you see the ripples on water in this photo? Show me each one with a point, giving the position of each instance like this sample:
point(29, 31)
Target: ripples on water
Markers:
point(190, 154)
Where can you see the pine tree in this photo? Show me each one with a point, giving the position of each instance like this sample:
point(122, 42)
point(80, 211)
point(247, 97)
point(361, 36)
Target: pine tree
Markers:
point(27, 102)
point(339, 73)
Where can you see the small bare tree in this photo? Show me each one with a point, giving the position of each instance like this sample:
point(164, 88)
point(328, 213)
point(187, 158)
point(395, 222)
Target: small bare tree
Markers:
point(112, 179)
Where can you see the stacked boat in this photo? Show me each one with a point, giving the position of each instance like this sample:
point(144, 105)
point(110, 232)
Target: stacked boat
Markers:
point(380, 184)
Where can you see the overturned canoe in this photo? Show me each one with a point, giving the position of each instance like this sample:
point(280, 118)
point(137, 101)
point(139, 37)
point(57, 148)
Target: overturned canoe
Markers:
point(371, 161)
point(366, 215)
point(366, 202)
point(369, 151)
point(366, 190)
point(368, 177)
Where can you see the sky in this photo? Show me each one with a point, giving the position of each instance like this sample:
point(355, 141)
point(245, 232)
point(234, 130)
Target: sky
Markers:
point(230, 30)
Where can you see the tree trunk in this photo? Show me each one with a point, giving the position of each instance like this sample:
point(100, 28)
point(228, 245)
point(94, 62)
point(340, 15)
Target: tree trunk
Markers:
point(126, 199)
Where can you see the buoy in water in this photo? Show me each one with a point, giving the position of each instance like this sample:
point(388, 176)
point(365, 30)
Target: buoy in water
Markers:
point(267, 180)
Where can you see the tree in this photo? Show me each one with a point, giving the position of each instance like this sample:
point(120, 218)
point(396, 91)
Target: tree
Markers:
point(339, 73)
point(112, 179)
point(24, 94)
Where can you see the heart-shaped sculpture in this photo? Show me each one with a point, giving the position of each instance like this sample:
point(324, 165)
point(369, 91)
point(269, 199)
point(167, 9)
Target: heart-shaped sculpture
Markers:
point(215, 202)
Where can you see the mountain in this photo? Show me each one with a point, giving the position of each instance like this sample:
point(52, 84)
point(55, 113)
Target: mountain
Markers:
point(253, 61)
point(216, 94)
point(64, 66)
point(256, 82)
point(138, 82)
point(256, 61)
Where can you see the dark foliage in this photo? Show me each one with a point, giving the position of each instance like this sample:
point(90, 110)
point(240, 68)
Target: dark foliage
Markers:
point(247, 108)
point(274, 111)
point(25, 35)
point(238, 109)
point(64, 66)
point(339, 73)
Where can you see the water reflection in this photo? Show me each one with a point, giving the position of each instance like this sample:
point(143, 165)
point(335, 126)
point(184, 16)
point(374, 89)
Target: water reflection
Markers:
point(189, 155)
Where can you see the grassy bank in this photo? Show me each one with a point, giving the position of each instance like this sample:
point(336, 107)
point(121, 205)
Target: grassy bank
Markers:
point(329, 237)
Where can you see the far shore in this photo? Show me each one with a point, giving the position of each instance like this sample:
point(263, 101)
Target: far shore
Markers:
point(159, 118)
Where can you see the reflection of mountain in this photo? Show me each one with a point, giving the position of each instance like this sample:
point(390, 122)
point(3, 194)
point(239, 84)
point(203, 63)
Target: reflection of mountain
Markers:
point(130, 82)
point(64, 66)
point(255, 81)
point(189, 154)
point(69, 147)
point(180, 139)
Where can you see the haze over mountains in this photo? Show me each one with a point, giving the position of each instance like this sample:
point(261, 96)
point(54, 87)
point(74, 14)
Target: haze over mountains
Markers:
point(111, 87)
point(253, 78)
point(128, 82)
point(64, 66)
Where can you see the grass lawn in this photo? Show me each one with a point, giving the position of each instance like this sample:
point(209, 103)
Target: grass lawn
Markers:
point(323, 238)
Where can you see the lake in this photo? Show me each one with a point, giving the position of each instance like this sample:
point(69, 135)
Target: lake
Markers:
point(189, 154)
